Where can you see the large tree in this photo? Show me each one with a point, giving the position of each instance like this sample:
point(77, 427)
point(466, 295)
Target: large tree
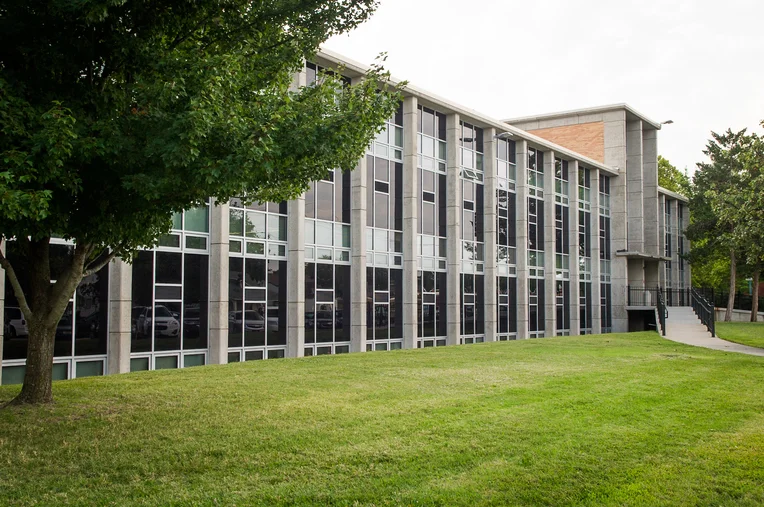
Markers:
point(115, 114)
point(726, 205)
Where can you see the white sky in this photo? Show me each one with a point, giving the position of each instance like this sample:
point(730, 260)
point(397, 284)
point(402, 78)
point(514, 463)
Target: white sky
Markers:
point(697, 62)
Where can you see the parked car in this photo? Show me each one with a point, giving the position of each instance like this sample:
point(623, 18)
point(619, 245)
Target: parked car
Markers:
point(14, 325)
point(166, 323)
point(253, 320)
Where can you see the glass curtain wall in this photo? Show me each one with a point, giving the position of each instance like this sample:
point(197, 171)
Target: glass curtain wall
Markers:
point(473, 241)
point(669, 243)
point(431, 284)
point(585, 249)
point(81, 334)
point(605, 256)
point(562, 246)
point(169, 320)
point(384, 237)
point(536, 309)
point(506, 240)
point(257, 280)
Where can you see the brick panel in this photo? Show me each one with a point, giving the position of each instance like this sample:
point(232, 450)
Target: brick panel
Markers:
point(585, 138)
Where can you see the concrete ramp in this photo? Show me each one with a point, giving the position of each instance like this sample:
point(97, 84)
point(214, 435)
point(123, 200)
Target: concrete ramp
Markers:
point(683, 326)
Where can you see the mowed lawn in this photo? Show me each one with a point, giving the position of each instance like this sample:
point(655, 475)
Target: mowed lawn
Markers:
point(599, 420)
point(747, 333)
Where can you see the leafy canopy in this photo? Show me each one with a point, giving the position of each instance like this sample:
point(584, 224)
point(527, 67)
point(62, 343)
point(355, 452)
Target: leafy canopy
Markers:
point(671, 178)
point(114, 114)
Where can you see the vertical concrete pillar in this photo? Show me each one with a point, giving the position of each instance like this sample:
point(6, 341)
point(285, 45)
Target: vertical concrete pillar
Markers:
point(615, 156)
point(358, 257)
point(575, 257)
point(650, 190)
point(411, 200)
point(521, 157)
point(296, 277)
point(120, 308)
point(453, 228)
point(635, 187)
point(594, 178)
point(489, 229)
point(219, 233)
point(550, 292)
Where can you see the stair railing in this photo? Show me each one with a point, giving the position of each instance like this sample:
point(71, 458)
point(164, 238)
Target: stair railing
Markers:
point(704, 309)
point(662, 311)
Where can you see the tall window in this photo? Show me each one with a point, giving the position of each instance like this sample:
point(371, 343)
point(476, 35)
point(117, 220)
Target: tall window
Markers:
point(432, 311)
point(605, 255)
point(536, 310)
point(585, 250)
point(169, 321)
point(680, 244)
point(82, 332)
point(562, 247)
point(506, 240)
point(473, 241)
point(384, 239)
point(669, 242)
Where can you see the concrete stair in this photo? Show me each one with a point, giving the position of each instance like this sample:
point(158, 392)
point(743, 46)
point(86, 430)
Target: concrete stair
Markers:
point(683, 326)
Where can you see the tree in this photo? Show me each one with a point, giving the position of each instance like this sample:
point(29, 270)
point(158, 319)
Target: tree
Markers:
point(116, 114)
point(671, 178)
point(727, 204)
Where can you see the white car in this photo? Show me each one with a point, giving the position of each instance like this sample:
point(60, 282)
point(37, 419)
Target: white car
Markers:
point(15, 323)
point(165, 322)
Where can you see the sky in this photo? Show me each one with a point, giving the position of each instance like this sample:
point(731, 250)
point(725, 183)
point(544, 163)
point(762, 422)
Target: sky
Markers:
point(699, 63)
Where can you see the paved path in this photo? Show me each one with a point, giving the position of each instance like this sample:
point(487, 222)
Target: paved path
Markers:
point(683, 326)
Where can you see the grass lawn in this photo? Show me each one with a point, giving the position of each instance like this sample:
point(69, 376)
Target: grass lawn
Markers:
point(598, 420)
point(746, 333)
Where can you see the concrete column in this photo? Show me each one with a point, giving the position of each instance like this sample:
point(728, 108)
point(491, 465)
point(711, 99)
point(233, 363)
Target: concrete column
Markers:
point(615, 156)
point(635, 187)
point(594, 178)
point(489, 210)
point(453, 228)
point(575, 324)
point(219, 228)
point(411, 201)
point(550, 310)
point(120, 308)
point(358, 179)
point(636, 272)
point(650, 190)
point(521, 156)
point(296, 277)
point(2, 308)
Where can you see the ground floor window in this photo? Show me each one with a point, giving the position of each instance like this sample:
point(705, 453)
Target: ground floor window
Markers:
point(506, 308)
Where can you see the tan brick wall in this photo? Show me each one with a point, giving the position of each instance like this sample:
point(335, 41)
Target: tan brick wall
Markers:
point(585, 138)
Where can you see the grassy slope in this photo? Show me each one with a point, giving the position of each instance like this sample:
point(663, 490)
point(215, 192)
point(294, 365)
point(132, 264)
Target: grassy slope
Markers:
point(617, 420)
point(747, 333)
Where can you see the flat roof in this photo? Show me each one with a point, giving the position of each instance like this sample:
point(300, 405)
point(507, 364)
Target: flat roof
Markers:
point(672, 194)
point(446, 106)
point(630, 111)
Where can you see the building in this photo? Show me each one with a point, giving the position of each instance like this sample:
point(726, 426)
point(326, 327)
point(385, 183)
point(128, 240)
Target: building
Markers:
point(455, 228)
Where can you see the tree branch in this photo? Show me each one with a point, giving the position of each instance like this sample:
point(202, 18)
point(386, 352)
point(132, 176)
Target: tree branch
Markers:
point(95, 268)
point(17, 290)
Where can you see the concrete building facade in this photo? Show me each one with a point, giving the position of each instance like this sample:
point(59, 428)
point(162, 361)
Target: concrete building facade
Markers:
point(454, 228)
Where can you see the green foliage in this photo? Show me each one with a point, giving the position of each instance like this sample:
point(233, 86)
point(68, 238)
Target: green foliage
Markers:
point(619, 419)
point(116, 114)
point(671, 178)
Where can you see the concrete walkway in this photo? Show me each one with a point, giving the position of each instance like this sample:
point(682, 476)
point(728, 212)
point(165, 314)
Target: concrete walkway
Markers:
point(684, 326)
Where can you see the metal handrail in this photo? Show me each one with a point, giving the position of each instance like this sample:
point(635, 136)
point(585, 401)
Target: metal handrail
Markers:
point(704, 310)
point(662, 312)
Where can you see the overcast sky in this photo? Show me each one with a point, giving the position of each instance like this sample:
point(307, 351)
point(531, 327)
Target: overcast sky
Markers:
point(697, 62)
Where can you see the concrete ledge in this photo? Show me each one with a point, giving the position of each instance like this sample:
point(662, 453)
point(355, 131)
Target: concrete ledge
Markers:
point(737, 315)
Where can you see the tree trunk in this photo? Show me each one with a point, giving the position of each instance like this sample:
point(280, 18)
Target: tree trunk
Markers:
point(38, 387)
point(731, 297)
point(47, 303)
point(755, 300)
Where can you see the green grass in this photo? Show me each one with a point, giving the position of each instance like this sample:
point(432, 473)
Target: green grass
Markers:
point(599, 420)
point(746, 333)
